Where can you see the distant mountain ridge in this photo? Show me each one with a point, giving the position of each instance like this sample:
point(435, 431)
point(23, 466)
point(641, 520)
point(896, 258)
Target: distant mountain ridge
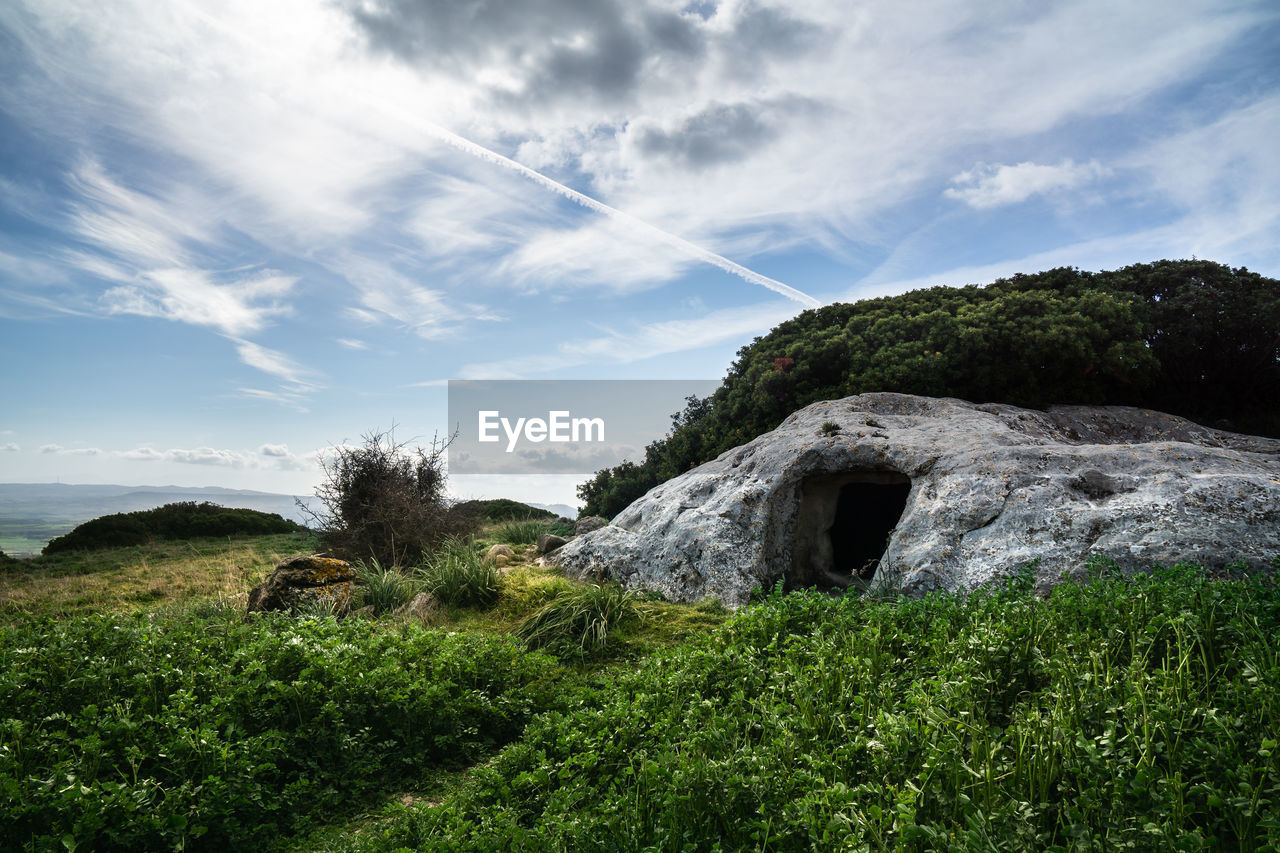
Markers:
point(33, 513)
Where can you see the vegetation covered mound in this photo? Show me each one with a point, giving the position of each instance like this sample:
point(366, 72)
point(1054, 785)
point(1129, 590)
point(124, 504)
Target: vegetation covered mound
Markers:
point(182, 520)
point(1193, 338)
point(503, 509)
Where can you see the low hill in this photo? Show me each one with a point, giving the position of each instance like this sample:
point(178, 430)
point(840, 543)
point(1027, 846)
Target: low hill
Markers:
point(31, 514)
point(504, 509)
point(183, 520)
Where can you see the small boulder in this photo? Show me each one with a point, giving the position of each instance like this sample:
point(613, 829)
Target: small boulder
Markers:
point(305, 579)
point(548, 542)
point(588, 523)
point(498, 551)
point(501, 560)
point(423, 607)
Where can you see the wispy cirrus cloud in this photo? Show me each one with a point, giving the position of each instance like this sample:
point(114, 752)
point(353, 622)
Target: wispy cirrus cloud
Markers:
point(638, 342)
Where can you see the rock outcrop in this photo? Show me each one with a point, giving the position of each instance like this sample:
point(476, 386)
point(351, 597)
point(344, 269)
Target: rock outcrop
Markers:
point(302, 580)
point(929, 494)
point(548, 542)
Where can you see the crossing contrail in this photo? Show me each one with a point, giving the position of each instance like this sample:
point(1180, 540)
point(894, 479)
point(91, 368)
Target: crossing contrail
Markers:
point(693, 250)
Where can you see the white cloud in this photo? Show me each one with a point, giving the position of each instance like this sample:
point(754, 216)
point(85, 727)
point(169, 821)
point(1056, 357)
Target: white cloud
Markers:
point(9, 447)
point(67, 451)
point(191, 296)
point(273, 362)
point(641, 342)
point(387, 293)
point(352, 343)
point(289, 398)
point(268, 457)
point(986, 186)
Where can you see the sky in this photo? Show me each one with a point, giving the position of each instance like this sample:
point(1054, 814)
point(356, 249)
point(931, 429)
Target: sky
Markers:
point(233, 234)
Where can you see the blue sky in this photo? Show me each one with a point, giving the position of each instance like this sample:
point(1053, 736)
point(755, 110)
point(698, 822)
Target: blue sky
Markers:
point(235, 233)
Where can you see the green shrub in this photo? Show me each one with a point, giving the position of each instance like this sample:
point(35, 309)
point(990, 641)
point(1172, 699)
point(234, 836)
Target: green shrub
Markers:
point(384, 589)
point(385, 501)
point(580, 621)
point(521, 532)
point(504, 509)
point(181, 520)
point(126, 733)
point(457, 576)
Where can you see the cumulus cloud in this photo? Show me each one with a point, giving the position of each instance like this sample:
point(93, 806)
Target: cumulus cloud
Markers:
point(67, 451)
point(9, 447)
point(268, 456)
point(986, 186)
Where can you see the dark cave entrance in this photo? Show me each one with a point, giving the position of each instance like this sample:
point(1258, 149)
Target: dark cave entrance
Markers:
point(865, 516)
point(843, 527)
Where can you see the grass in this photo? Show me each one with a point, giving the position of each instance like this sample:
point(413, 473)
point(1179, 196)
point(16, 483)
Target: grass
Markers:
point(124, 578)
point(383, 589)
point(581, 621)
point(520, 532)
point(457, 575)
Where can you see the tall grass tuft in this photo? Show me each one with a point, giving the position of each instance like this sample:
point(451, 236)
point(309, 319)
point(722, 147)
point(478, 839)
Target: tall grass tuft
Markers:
point(581, 620)
point(521, 532)
point(384, 589)
point(457, 576)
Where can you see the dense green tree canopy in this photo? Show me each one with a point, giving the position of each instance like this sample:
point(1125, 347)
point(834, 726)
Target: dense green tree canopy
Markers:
point(1194, 338)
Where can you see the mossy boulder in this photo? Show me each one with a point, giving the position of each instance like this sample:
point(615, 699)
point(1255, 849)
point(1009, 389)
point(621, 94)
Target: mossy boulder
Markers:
point(302, 580)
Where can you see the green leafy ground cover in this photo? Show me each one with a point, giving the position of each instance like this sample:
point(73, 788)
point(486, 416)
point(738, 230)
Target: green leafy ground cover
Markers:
point(144, 732)
point(1127, 713)
point(1130, 713)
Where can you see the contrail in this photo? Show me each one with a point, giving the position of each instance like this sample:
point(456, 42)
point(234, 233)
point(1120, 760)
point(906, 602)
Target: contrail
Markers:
point(475, 150)
point(479, 151)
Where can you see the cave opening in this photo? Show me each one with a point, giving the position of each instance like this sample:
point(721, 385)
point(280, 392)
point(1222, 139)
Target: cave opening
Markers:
point(865, 516)
point(843, 528)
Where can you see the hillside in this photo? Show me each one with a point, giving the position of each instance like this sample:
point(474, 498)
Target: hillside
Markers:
point(31, 514)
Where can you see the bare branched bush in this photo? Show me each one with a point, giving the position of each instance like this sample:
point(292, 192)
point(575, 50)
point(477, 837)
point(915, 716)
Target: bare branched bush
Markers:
point(385, 501)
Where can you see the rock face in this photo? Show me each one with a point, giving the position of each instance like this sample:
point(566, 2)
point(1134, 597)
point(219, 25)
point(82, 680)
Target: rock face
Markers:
point(588, 524)
point(548, 542)
point(939, 494)
point(300, 580)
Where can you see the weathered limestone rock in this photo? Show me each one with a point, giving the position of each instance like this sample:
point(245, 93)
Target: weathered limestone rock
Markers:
point(423, 607)
point(940, 494)
point(301, 580)
point(588, 524)
point(548, 542)
point(496, 553)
